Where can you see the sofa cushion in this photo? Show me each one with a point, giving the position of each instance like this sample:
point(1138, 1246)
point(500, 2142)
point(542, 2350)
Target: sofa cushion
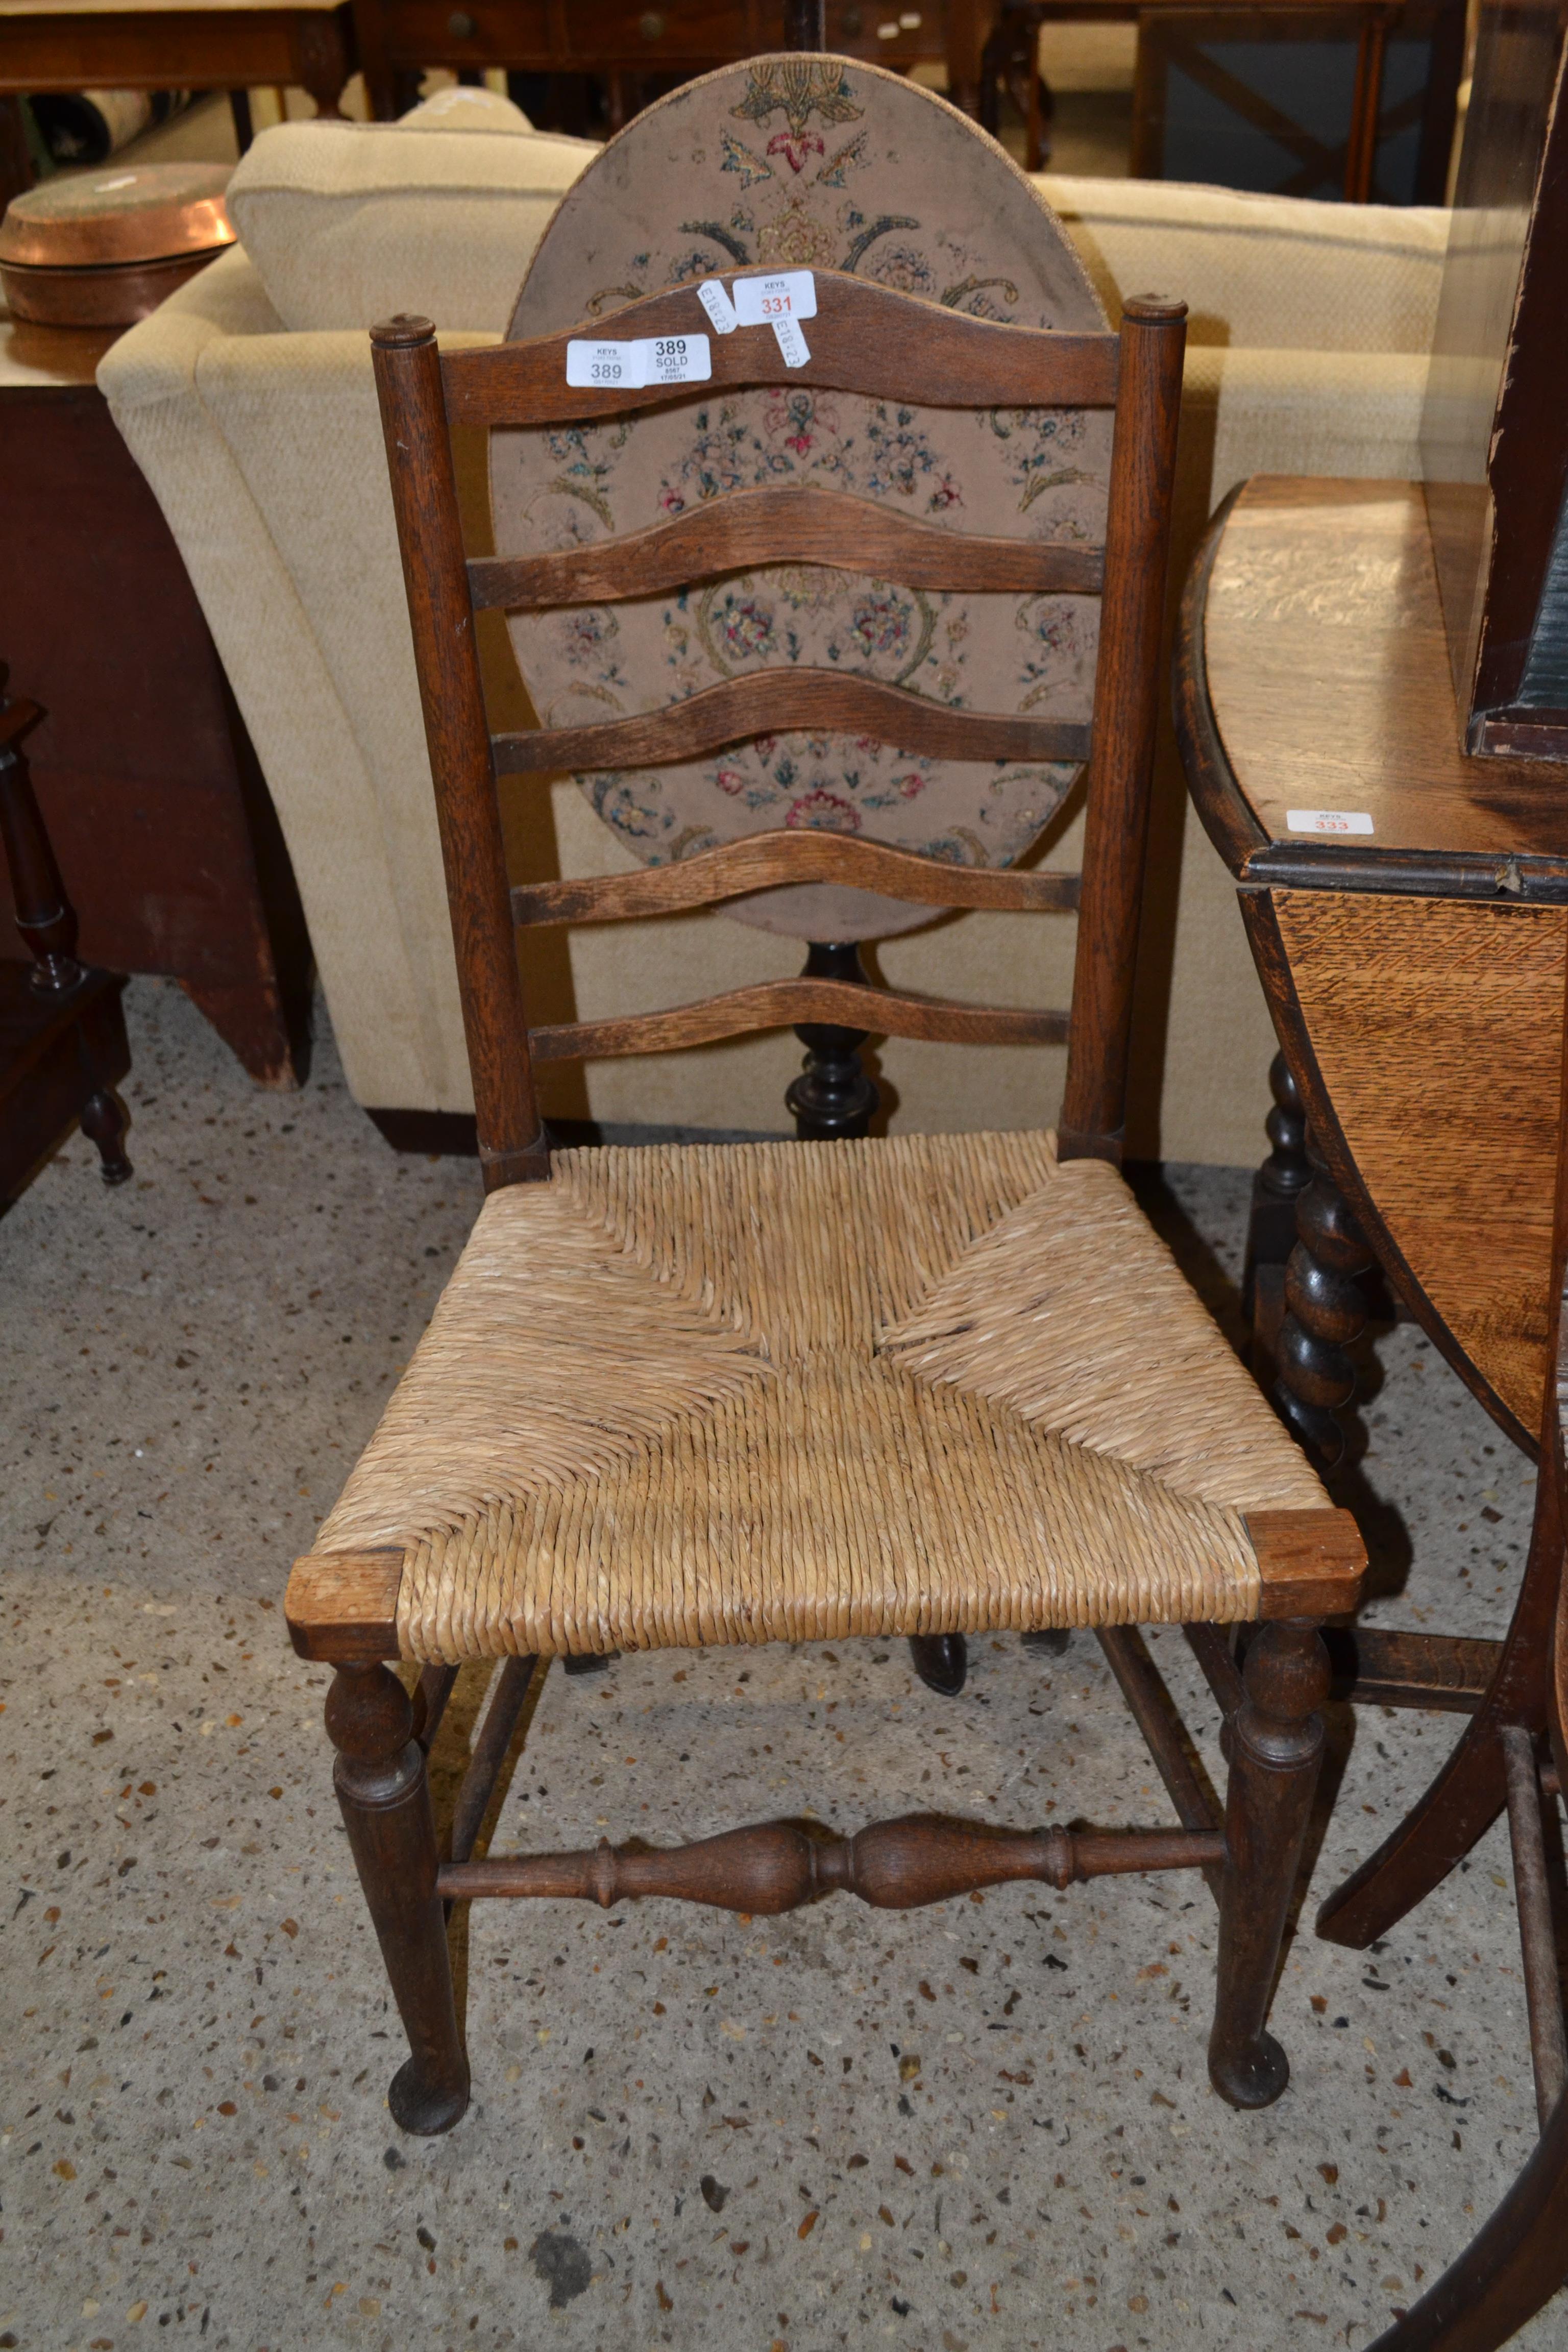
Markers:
point(1280, 273)
point(438, 214)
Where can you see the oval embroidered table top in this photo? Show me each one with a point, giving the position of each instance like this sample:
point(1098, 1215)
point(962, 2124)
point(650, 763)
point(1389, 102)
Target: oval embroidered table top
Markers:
point(804, 162)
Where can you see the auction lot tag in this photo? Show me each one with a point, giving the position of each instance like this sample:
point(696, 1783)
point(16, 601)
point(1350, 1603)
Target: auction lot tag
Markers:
point(1328, 821)
point(791, 343)
point(715, 301)
point(676, 359)
point(790, 294)
point(605, 367)
point(650, 359)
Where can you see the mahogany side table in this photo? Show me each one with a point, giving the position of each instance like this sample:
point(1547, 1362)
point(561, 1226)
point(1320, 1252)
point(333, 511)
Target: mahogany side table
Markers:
point(63, 1028)
point(149, 786)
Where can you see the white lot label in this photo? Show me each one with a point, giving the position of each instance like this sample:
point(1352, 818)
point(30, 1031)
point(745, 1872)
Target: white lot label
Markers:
point(1328, 821)
point(677, 359)
point(715, 301)
point(791, 343)
point(650, 359)
point(605, 367)
point(792, 294)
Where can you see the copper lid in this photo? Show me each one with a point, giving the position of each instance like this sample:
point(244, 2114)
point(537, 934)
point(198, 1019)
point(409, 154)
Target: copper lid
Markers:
point(150, 213)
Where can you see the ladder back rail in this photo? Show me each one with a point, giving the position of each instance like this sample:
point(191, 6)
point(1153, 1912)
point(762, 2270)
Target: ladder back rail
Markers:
point(781, 1004)
point(778, 701)
point(807, 525)
point(761, 861)
point(864, 339)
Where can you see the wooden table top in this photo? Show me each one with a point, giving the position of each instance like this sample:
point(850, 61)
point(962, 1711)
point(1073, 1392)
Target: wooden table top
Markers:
point(1313, 677)
point(168, 7)
point(38, 359)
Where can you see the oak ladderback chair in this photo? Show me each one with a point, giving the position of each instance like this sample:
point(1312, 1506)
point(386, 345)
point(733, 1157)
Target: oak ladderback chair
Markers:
point(711, 1394)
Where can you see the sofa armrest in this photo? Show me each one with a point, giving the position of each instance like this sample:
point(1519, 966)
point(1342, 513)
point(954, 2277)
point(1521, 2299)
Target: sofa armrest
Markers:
point(1268, 272)
point(261, 446)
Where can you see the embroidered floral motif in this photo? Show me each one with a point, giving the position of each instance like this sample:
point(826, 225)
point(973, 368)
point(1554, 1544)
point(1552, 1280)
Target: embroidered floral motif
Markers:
point(738, 157)
point(626, 803)
point(1062, 639)
point(586, 633)
point(905, 268)
point(903, 461)
point(828, 812)
point(880, 624)
point(795, 151)
point(797, 88)
point(842, 162)
point(971, 295)
point(797, 418)
point(740, 629)
point(927, 217)
point(793, 240)
point(1045, 451)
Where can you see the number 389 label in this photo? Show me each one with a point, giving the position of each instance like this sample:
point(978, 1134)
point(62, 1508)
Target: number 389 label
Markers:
point(677, 359)
point(608, 367)
point(628, 366)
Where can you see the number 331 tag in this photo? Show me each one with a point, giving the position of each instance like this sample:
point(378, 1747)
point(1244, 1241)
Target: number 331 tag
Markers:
point(790, 294)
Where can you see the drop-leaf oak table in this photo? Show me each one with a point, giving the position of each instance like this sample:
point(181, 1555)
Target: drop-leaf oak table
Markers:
point(1407, 909)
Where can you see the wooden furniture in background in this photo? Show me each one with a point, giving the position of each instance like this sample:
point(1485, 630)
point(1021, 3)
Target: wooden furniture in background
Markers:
point(63, 1028)
point(623, 40)
point(233, 44)
point(1494, 438)
point(142, 765)
point(1415, 968)
point(1356, 98)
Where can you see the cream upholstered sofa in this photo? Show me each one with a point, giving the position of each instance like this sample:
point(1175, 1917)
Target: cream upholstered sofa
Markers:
point(248, 401)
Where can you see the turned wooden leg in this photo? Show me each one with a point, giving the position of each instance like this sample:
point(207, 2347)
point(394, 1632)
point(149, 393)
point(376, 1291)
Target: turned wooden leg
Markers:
point(380, 1785)
point(1324, 1311)
point(835, 1097)
point(1277, 1748)
point(1272, 1221)
point(103, 1122)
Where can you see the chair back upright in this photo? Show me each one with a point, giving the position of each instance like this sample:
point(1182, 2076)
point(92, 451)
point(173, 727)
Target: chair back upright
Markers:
point(885, 344)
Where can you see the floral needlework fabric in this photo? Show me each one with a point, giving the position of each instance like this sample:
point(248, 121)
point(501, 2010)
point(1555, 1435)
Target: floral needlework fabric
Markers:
point(811, 163)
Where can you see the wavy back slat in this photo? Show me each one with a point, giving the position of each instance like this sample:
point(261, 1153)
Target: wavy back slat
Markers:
point(775, 701)
point(802, 525)
point(761, 861)
point(865, 338)
point(868, 340)
point(782, 1003)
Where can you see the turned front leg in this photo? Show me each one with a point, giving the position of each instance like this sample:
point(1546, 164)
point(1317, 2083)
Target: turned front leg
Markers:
point(385, 1800)
point(1276, 1753)
point(1324, 1314)
point(104, 1122)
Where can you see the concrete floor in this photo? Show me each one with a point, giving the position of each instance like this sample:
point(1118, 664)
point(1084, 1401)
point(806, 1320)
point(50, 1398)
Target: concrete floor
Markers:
point(985, 2124)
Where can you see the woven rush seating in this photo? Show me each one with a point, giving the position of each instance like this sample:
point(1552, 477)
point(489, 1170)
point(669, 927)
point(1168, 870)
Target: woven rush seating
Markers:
point(798, 1391)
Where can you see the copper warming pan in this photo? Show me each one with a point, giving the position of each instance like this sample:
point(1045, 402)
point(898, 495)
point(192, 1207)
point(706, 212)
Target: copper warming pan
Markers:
point(102, 248)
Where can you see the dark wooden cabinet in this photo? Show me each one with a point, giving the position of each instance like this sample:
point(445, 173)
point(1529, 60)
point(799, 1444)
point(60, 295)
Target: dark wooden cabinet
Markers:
point(145, 773)
point(630, 36)
point(1495, 432)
